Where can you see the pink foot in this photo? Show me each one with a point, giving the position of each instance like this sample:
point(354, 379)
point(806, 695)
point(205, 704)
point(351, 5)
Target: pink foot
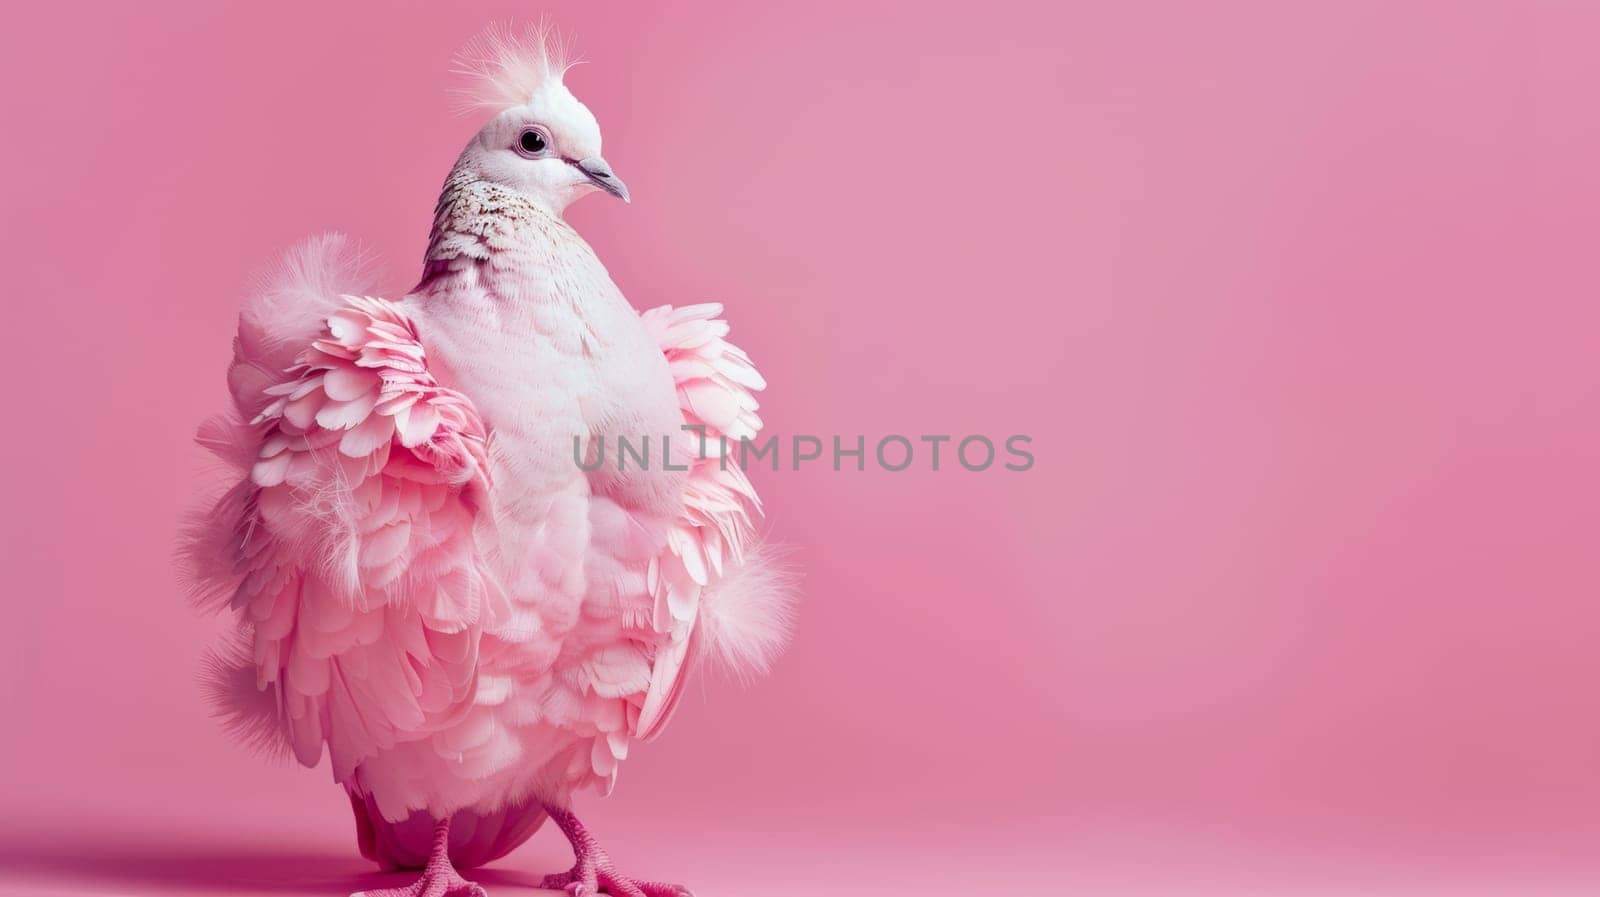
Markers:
point(607, 880)
point(594, 872)
point(450, 884)
point(439, 877)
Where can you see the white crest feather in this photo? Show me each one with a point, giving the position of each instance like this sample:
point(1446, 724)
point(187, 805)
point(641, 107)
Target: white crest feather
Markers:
point(508, 66)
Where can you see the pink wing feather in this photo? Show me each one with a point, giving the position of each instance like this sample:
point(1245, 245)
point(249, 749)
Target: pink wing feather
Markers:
point(349, 548)
point(716, 383)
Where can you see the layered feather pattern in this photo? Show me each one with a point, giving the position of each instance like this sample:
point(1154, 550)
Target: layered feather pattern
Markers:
point(471, 642)
point(702, 573)
point(349, 548)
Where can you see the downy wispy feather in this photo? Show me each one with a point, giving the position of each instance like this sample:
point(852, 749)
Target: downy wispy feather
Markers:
point(505, 67)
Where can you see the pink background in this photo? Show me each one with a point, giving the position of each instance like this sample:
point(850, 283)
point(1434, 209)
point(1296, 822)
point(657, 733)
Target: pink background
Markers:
point(1298, 302)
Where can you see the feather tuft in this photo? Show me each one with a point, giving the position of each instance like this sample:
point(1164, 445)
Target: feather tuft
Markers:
point(288, 306)
point(249, 715)
point(748, 617)
point(507, 66)
point(231, 440)
point(208, 545)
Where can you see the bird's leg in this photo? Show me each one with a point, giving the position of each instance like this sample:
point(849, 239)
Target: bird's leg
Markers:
point(439, 877)
point(593, 872)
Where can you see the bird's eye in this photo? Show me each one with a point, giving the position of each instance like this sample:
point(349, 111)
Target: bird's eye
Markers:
point(533, 142)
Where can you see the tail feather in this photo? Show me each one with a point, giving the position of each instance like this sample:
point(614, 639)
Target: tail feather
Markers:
point(475, 837)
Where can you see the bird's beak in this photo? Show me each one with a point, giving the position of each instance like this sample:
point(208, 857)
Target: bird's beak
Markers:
point(599, 171)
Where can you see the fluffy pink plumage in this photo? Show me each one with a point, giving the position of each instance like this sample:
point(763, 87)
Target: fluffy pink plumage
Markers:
point(350, 548)
point(423, 578)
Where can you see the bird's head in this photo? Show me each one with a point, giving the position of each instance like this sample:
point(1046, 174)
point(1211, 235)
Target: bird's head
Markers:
point(542, 142)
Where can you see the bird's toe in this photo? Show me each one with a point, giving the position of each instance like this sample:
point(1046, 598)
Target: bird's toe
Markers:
point(664, 889)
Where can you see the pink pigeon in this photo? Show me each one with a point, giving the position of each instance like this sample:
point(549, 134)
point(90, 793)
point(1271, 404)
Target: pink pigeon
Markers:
point(428, 571)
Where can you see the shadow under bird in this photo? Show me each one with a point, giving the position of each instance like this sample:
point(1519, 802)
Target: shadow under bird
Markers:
point(422, 579)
